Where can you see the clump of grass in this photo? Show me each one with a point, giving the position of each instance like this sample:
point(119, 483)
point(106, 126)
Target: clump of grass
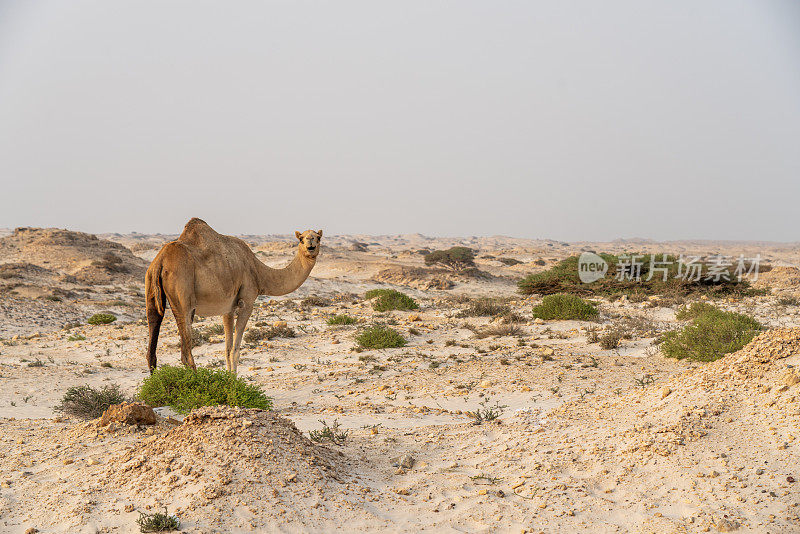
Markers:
point(710, 335)
point(36, 363)
point(87, 402)
point(486, 412)
point(314, 301)
point(390, 299)
point(341, 319)
point(327, 433)
point(509, 261)
point(499, 330)
point(565, 306)
point(157, 522)
point(254, 335)
point(697, 309)
point(485, 308)
point(184, 389)
point(789, 301)
point(380, 337)
point(611, 339)
point(76, 337)
point(101, 318)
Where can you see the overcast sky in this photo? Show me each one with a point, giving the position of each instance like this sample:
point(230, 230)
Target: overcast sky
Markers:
point(566, 120)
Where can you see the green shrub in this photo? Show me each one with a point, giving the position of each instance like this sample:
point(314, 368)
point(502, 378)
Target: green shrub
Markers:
point(101, 318)
point(610, 340)
point(455, 258)
point(485, 308)
point(184, 389)
point(565, 306)
point(380, 337)
point(563, 278)
point(710, 335)
point(697, 309)
point(509, 261)
point(87, 402)
point(390, 299)
point(341, 319)
point(157, 522)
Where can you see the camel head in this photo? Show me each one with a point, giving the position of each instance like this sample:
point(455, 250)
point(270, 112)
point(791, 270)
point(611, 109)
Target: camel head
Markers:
point(309, 242)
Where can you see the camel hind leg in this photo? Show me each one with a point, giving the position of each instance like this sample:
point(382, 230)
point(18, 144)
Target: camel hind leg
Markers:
point(154, 324)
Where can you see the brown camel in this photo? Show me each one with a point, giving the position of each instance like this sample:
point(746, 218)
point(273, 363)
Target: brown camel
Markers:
point(209, 274)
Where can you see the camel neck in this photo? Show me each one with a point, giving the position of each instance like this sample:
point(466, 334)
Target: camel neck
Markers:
point(277, 282)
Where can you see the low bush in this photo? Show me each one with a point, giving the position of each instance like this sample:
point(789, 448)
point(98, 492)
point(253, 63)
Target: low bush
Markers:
point(314, 301)
point(87, 402)
point(390, 299)
point(610, 339)
point(697, 309)
point(710, 335)
point(565, 306)
point(499, 330)
point(380, 337)
point(563, 277)
point(184, 389)
point(101, 318)
point(484, 308)
point(254, 335)
point(454, 258)
point(157, 522)
point(341, 320)
point(509, 261)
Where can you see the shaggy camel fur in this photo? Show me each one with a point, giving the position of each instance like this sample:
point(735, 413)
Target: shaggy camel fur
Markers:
point(209, 274)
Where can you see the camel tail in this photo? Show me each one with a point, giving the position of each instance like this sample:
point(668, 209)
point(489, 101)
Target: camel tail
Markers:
point(153, 283)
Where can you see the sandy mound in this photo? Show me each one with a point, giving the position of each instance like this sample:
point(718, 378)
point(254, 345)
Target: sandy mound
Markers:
point(221, 456)
point(87, 258)
point(660, 418)
point(416, 277)
point(781, 279)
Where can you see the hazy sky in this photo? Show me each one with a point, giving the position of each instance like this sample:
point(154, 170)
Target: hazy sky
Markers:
point(568, 120)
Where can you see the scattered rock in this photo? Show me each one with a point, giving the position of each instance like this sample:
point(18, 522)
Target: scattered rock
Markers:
point(407, 461)
point(129, 413)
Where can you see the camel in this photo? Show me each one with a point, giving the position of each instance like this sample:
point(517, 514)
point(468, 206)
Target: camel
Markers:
point(209, 274)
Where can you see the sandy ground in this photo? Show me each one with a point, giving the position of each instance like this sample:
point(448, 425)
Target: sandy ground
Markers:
point(589, 440)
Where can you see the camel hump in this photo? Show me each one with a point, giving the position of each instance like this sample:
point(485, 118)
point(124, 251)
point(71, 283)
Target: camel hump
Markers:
point(197, 231)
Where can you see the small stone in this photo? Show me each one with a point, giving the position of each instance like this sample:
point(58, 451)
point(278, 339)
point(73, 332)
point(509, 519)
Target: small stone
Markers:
point(92, 461)
point(725, 525)
point(32, 530)
point(665, 391)
point(407, 461)
point(68, 461)
point(482, 492)
point(538, 320)
point(791, 378)
point(402, 491)
point(790, 479)
point(279, 324)
point(759, 471)
point(129, 508)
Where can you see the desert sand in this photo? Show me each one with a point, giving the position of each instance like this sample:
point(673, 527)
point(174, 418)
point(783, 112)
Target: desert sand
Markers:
point(589, 439)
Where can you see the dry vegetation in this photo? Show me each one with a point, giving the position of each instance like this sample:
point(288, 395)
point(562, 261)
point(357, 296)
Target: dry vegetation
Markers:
point(475, 408)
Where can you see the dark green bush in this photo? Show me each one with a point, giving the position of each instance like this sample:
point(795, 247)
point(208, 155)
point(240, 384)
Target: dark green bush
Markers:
point(710, 335)
point(380, 337)
point(341, 319)
point(184, 389)
point(455, 258)
point(565, 306)
point(563, 278)
point(101, 318)
point(697, 309)
point(87, 402)
point(390, 299)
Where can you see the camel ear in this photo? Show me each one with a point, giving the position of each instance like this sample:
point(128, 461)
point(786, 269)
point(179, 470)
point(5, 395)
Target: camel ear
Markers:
point(319, 232)
point(299, 235)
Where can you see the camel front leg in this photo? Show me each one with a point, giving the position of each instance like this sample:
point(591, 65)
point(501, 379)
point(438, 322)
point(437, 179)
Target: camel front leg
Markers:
point(241, 322)
point(227, 323)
